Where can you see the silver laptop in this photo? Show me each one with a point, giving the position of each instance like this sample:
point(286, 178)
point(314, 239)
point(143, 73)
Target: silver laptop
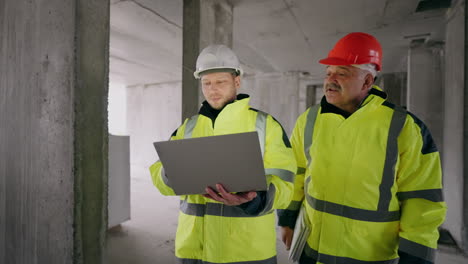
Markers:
point(235, 160)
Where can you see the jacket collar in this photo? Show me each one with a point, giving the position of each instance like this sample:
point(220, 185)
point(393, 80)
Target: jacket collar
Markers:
point(241, 102)
point(374, 92)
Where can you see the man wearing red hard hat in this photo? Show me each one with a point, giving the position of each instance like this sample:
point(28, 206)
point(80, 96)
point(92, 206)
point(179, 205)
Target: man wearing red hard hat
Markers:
point(368, 184)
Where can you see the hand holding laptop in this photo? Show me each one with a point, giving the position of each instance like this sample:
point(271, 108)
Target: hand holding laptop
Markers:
point(228, 198)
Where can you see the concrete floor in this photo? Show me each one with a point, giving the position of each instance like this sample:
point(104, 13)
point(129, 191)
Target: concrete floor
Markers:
point(148, 238)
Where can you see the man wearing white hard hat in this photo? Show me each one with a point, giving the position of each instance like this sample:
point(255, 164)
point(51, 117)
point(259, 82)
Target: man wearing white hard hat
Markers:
point(369, 174)
point(221, 227)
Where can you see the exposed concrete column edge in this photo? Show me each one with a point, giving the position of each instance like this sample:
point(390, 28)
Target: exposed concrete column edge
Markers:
point(190, 43)
point(90, 130)
point(465, 137)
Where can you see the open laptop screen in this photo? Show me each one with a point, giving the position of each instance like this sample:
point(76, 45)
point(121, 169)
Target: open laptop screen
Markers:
point(235, 160)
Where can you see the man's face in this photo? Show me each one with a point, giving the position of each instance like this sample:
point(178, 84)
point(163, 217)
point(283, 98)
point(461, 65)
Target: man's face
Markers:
point(219, 88)
point(346, 86)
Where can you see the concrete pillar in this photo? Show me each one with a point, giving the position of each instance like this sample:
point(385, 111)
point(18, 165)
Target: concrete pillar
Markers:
point(455, 142)
point(205, 22)
point(465, 130)
point(311, 97)
point(53, 130)
point(314, 94)
point(394, 84)
point(425, 86)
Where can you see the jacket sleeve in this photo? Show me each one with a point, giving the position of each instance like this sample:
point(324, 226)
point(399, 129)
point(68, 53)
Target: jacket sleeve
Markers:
point(287, 217)
point(157, 171)
point(419, 181)
point(279, 166)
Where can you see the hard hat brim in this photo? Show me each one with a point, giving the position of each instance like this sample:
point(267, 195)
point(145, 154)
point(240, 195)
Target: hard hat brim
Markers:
point(334, 61)
point(340, 62)
point(198, 74)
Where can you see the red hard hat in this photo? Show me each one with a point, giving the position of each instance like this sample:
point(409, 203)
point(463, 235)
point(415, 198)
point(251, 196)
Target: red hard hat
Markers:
point(355, 48)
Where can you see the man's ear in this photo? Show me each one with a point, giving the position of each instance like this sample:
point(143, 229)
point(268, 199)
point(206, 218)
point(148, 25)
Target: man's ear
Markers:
point(368, 82)
point(237, 82)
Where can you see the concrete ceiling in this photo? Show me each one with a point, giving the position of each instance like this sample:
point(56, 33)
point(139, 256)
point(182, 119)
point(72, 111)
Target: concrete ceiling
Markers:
point(269, 35)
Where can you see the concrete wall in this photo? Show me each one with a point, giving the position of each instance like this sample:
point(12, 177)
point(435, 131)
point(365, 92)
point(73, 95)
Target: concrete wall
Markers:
point(453, 121)
point(153, 114)
point(425, 82)
point(117, 109)
point(53, 132)
point(280, 94)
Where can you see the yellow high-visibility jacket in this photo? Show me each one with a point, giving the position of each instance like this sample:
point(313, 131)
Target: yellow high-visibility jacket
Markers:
point(212, 232)
point(370, 183)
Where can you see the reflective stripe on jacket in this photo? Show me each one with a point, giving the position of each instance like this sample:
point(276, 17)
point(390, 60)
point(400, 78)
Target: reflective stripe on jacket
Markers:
point(210, 232)
point(372, 183)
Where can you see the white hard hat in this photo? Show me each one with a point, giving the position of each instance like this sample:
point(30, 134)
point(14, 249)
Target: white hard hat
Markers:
point(217, 57)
